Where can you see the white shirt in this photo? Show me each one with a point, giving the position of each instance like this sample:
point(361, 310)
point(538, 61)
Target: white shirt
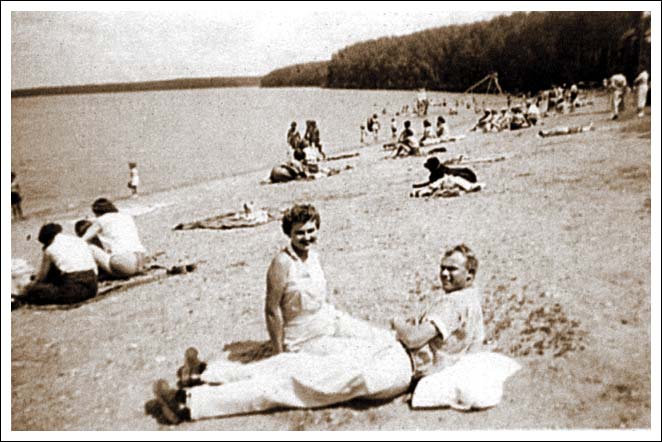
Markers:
point(642, 79)
point(135, 179)
point(119, 233)
point(533, 110)
point(70, 254)
point(618, 81)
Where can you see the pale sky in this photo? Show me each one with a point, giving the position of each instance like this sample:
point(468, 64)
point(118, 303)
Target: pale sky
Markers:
point(50, 48)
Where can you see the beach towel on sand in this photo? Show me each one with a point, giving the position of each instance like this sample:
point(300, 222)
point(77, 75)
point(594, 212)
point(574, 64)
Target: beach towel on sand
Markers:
point(475, 382)
point(233, 220)
point(448, 186)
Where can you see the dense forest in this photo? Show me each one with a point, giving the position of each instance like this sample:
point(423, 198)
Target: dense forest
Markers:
point(306, 74)
point(528, 51)
point(180, 83)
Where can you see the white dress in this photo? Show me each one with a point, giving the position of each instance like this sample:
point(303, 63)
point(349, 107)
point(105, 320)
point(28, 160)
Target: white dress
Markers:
point(331, 358)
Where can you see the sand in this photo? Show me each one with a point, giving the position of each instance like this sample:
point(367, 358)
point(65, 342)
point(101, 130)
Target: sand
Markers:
point(561, 230)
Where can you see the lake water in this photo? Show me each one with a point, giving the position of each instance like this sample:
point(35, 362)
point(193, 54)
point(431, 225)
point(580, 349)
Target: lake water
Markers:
point(69, 149)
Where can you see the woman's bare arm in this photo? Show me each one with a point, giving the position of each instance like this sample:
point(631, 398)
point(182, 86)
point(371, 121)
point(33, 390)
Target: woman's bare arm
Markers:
point(275, 281)
point(92, 231)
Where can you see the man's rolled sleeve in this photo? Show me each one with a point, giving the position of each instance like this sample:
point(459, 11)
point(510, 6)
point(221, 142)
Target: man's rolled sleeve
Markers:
point(445, 319)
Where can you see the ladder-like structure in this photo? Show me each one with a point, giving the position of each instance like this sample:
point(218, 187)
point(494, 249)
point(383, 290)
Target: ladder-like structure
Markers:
point(492, 80)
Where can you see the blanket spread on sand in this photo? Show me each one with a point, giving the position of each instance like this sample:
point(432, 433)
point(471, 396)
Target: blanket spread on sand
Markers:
point(153, 272)
point(233, 220)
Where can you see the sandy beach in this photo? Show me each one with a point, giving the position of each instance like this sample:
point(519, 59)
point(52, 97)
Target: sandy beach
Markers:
point(562, 231)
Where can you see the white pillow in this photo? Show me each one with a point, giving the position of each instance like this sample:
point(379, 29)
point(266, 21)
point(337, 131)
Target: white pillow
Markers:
point(474, 382)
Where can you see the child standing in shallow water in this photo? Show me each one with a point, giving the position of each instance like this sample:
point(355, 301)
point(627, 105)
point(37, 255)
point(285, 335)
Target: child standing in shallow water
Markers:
point(134, 179)
point(16, 199)
point(394, 128)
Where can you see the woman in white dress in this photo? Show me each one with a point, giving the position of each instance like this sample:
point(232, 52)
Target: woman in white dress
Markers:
point(322, 356)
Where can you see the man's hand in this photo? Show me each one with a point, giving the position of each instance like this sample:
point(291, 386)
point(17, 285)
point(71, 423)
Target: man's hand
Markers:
point(412, 334)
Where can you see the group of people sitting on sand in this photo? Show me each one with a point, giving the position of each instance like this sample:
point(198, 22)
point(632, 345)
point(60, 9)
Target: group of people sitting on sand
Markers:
point(303, 156)
point(311, 139)
point(513, 118)
point(108, 246)
point(408, 144)
point(321, 355)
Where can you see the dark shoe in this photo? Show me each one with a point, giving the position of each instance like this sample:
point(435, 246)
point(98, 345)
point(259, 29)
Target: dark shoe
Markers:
point(188, 375)
point(172, 404)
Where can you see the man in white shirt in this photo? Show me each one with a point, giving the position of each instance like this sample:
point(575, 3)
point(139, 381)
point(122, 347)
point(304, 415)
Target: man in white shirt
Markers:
point(617, 85)
point(68, 273)
point(641, 82)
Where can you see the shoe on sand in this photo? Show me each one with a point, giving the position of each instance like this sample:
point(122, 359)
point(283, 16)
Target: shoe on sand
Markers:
point(188, 375)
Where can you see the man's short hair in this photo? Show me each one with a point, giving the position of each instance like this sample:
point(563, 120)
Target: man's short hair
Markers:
point(48, 232)
point(471, 263)
point(102, 206)
point(300, 214)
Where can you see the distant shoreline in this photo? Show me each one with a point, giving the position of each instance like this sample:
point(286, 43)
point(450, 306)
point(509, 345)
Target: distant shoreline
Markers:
point(180, 83)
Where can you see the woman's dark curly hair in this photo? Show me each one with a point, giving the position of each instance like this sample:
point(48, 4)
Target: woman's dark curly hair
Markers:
point(300, 214)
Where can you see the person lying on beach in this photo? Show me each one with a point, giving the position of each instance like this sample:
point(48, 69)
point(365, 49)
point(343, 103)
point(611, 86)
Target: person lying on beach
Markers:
point(446, 187)
point(484, 123)
point(438, 170)
point(332, 369)
point(291, 170)
point(407, 143)
point(518, 119)
point(565, 130)
point(122, 254)
point(67, 274)
point(250, 214)
point(304, 166)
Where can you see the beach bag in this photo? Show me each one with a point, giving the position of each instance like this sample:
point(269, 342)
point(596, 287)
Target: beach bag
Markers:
point(475, 382)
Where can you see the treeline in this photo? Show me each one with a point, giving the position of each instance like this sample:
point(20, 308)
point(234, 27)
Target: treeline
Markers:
point(529, 51)
point(305, 74)
point(180, 83)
